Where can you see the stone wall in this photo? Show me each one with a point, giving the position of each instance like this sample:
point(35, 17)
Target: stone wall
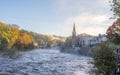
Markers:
point(83, 51)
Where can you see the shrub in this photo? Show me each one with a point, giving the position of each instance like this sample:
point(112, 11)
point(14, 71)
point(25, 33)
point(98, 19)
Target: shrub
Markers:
point(104, 58)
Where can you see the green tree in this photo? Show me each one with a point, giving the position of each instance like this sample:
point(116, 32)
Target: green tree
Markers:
point(104, 58)
point(115, 7)
point(115, 4)
point(68, 42)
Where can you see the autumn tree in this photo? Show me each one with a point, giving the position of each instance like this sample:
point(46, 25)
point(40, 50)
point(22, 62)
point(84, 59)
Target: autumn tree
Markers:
point(113, 33)
point(3, 31)
point(25, 40)
point(14, 31)
point(5, 35)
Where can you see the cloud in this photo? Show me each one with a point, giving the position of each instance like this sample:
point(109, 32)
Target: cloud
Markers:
point(68, 5)
point(90, 16)
point(81, 5)
point(87, 23)
point(86, 18)
point(104, 3)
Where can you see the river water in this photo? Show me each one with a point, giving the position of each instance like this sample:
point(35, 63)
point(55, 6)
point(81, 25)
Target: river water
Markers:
point(46, 62)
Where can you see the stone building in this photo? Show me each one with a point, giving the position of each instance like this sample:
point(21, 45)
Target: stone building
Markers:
point(74, 36)
point(83, 40)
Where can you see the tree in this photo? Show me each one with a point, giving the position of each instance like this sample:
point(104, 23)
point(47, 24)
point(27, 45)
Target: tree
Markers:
point(4, 36)
point(115, 4)
point(25, 40)
point(11, 37)
point(113, 33)
point(104, 58)
point(46, 40)
point(115, 7)
point(68, 42)
point(14, 31)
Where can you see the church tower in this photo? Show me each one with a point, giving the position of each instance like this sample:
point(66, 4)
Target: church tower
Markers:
point(74, 36)
point(74, 31)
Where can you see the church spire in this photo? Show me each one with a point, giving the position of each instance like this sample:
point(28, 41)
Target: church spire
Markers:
point(74, 31)
point(73, 36)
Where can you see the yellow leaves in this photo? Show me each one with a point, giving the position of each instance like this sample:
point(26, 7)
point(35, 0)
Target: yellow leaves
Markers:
point(2, 25)
point(25, 39)
point(14, 37)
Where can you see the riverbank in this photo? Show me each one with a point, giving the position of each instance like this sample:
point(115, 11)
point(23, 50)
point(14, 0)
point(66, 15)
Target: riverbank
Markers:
point(82, 51)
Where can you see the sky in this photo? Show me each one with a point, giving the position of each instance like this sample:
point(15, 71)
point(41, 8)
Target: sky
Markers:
point(58, 16)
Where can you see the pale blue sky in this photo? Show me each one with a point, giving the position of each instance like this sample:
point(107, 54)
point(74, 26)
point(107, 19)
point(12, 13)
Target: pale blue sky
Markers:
point(57, 16)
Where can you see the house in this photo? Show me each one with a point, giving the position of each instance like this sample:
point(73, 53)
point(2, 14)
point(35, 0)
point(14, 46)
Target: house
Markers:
point(83, 40)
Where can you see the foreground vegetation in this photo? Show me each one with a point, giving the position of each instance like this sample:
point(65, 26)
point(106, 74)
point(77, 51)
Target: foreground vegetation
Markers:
point(104, 58)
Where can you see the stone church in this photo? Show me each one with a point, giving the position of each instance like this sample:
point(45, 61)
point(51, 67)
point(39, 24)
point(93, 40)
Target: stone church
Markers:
point(83, 40)
point(74, 36)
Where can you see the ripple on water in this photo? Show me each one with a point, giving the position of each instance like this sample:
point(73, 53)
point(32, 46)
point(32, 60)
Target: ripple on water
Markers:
point(47, 62)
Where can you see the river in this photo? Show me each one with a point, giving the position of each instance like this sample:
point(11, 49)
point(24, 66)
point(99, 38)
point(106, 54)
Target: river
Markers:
point(46, 62)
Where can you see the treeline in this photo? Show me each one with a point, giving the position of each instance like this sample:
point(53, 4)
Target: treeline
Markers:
point(11, 37)
point(43, 41)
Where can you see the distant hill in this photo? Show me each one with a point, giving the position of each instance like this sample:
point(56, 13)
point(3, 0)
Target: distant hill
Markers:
point(43, 36)
point(44, 40)
point(86, 35)
point(58, 37)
